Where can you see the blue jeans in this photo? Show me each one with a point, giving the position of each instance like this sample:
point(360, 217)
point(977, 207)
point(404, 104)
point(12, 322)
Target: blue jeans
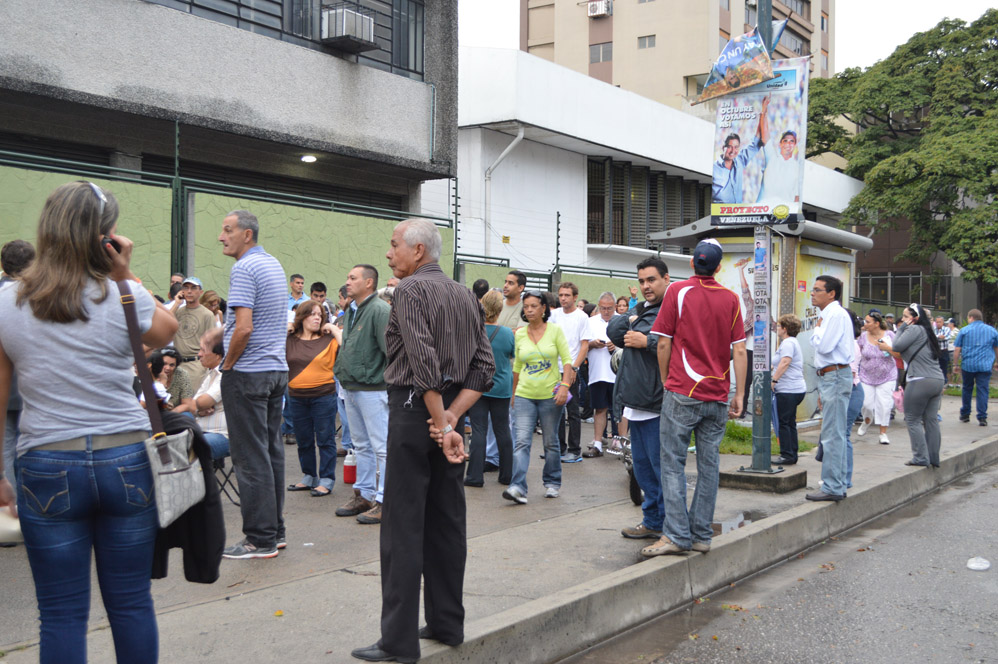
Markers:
point(527, 412)
point(368, 415)
point(646, 454)
point(70, 503)
point(345, 440)
point(287, 420)
point(10, 434)
point(219, 444)
point(982, 380)
point(681, 416)
point(835, 390)
point(852, 412)
point(315, 426)
point(491, 446)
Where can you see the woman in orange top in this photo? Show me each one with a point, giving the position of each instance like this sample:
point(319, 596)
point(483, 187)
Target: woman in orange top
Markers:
point(312, 397)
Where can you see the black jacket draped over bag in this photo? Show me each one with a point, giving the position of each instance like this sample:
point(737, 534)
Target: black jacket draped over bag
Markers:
point(200, 531)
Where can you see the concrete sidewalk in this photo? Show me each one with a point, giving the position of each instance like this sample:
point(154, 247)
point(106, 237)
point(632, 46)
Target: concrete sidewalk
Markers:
point(544, 580)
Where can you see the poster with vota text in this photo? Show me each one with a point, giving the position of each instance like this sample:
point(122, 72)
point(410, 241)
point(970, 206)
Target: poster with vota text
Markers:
point(759, 140)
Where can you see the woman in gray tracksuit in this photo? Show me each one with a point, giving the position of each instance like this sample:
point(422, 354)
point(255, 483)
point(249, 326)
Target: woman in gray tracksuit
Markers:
point(917, 345)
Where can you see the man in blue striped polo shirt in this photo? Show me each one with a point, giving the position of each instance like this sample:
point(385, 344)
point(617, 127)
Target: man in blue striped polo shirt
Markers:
point(974, 357)
point(254, 377)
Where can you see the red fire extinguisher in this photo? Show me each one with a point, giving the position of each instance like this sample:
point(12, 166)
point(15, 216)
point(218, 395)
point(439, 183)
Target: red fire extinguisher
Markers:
point(350, 467)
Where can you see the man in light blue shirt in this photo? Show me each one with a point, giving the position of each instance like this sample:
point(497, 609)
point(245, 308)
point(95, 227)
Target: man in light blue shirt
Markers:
point(974, 356)
point(833, 351)
point(728, 169)
point(254, 377)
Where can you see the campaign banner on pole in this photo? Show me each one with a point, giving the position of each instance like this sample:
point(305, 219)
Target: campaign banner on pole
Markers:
point(742, 63)
point(760, 136)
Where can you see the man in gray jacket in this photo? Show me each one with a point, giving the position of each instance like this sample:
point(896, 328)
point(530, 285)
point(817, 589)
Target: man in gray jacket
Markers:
point(638, 391)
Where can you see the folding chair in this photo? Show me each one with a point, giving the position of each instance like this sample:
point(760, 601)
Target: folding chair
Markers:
point(219, 451)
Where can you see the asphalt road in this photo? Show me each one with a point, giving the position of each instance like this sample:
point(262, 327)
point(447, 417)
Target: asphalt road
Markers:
point(895, 590)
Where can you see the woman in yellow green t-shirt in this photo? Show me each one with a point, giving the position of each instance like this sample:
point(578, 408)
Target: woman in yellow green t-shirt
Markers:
point(539, 392)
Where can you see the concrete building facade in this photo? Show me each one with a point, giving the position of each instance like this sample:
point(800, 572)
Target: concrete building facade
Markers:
point(235, 93)
point(573, 196)
point(663, 49)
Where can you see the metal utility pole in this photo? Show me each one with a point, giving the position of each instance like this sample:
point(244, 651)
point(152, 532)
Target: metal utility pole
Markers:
point(762, 282)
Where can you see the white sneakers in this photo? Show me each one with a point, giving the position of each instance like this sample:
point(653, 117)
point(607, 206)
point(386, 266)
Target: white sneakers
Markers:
point(552, 492)
point(884, 440)
point(863, 428)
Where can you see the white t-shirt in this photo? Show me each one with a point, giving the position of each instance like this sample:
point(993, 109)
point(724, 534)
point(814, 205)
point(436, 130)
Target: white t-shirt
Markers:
point(575, 326)
point(780, 178)
point(599, 358)
point(792, 380)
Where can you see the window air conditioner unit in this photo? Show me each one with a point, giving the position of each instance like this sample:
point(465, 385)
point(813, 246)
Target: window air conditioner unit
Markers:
point(600, 8)
point(750, 3)
point(347, 29)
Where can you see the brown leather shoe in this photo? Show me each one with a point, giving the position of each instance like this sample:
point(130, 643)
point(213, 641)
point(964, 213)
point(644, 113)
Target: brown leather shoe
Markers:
point(371, 516)
point(356, 506)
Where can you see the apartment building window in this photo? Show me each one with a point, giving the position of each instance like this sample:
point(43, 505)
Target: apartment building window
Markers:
point(751, 15)
point(601, 52)
point(723, 40)
point(795, 42)
point(824, 22)
point(801, 7)
point(726, 4)
point(646, 42)
point(824, 61)
point(407, 36)
point(900, 288)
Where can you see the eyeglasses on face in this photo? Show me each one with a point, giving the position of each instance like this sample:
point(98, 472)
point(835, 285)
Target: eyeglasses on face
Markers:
point(818, 290)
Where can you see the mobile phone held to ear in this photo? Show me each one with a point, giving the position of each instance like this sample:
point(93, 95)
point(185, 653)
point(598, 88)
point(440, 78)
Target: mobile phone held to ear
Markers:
point(110, 242)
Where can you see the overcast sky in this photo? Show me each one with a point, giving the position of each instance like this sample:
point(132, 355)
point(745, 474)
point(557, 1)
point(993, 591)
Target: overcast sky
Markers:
point(866, 30)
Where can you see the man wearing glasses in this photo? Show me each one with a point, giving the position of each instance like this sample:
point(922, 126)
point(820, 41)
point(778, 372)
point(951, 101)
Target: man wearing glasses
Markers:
point(833, 351)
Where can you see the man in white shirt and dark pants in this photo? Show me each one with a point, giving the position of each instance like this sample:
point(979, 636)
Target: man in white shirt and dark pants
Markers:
point(833, 351)
point(601, 376)
point(575, 324)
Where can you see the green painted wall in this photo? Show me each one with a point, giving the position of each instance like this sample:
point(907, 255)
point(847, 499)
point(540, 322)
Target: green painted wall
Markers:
point(494, 274)
point(318, 244)
point(591, 287)
point(144, 217)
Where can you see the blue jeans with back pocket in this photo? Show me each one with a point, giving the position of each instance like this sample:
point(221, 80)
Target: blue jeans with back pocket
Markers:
point(72, 503)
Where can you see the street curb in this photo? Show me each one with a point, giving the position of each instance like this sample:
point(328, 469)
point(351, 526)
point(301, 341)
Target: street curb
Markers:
point(569, 621)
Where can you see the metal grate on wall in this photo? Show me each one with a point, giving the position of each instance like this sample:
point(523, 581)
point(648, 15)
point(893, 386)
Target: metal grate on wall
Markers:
point(398, 26)
point(620, 200)
point(595, 208)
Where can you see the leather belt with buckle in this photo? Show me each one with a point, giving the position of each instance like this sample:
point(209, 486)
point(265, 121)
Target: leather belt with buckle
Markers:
point(832, 367)
point(98, 442)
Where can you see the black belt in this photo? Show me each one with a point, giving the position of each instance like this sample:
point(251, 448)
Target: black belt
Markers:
point(832, 367)
point(189, 359)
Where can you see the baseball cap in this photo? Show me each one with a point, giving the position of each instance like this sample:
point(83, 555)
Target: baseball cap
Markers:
point(707, 255)
point(889, 316)
point(951, 321)
point(193, 280)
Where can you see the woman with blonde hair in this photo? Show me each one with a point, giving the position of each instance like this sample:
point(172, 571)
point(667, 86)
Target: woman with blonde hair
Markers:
point(495, 402)
point(213, 302)
point(83, 474)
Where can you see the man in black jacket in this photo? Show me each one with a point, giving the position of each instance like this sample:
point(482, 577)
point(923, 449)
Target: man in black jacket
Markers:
point(638, 391)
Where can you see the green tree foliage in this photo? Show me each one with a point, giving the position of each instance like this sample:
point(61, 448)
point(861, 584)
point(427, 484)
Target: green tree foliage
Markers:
point(927, 145)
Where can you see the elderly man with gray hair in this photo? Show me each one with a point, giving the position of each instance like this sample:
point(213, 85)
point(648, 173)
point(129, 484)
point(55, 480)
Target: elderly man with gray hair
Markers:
point(254, 376)
point(439, 363)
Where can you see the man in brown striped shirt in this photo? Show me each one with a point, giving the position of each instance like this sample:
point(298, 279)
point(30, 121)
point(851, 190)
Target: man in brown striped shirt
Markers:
point(439, 363)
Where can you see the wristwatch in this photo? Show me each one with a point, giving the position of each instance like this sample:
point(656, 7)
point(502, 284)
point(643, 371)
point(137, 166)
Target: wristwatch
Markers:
point(446, 430)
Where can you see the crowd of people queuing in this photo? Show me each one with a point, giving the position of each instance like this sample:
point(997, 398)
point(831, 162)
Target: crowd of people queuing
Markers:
point(403, 370)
